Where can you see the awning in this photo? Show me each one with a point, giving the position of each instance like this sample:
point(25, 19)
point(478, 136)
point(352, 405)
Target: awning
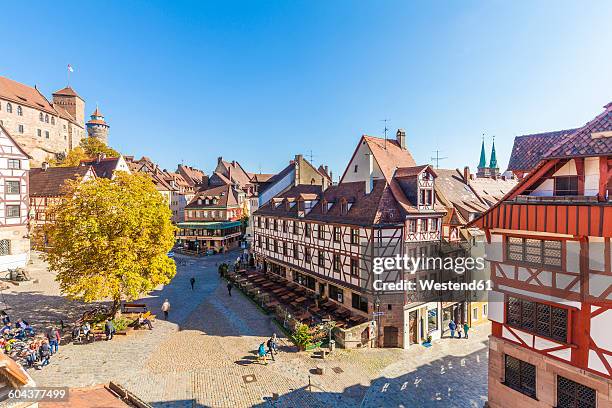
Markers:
point(209, 225)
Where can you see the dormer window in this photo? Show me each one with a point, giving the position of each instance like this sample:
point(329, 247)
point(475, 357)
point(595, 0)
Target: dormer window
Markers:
point(426, 197)
point(199, 201)
point(205, 201)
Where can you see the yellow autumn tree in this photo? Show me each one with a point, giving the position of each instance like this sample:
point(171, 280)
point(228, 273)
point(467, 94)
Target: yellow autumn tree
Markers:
point(110, 239)
point(87, 149)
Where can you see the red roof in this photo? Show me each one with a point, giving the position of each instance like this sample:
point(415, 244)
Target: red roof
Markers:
point(529, 149)
point(67, 91)
point(24, 95)
point(593, 139)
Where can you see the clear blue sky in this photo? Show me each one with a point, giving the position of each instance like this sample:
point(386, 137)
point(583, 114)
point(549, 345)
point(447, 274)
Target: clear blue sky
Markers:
point(260, 81)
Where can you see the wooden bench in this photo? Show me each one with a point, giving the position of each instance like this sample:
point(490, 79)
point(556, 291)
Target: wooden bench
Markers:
point(134, 307)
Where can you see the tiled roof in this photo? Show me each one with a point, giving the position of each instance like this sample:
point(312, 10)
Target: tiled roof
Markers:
point(455, 193)
point(67, 91)
point(492, 190)
point(529, 149)
point(389, 155)
point(104, 167)
point(24, 95)
point(49, 183)
point(238, 174)
point(261, 177)
point(593, 139)
point(225, 194)
point(411, 171)
point(279, 176)
point(365, 209)
point(192, 175)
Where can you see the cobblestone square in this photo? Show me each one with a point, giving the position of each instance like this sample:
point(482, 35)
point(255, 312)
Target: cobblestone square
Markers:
point(204, 355)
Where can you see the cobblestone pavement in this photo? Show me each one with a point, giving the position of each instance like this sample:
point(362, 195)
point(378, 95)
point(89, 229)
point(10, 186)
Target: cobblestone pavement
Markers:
point(204, 355)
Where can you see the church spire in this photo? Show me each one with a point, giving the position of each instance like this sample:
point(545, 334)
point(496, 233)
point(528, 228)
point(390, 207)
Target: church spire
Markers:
point(483, 159)
point(493, 162)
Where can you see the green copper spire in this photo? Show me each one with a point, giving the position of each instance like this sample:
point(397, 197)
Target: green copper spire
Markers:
point(483, 159)
point(493, 162)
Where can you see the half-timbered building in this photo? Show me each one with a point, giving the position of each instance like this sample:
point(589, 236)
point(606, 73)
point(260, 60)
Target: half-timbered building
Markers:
point(548, 244)
point(14, 237)
point(212, 221)
point(46, 189)
point(325, 238)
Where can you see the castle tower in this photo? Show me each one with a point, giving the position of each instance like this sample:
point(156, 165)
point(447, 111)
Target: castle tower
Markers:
point(482, 164)
point(493, 168)
point(68, 99)
point(97, 126)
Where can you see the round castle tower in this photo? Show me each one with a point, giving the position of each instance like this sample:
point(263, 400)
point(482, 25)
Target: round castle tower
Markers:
point(97, 126)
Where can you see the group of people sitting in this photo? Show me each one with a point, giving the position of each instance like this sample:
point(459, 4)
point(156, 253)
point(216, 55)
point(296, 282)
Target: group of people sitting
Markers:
point(22, 343)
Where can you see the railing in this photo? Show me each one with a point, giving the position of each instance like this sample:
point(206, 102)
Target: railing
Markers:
point(555, 199)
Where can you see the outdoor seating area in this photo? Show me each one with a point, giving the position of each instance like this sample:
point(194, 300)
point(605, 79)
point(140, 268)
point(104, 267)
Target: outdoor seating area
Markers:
point(290, 301)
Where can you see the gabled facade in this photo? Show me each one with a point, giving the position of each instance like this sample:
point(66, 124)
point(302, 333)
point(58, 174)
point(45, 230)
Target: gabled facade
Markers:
point(106, 167)
point(548, 244)
point(212, 221)
point(14, 206)
point(324, 238)
point(46, 189)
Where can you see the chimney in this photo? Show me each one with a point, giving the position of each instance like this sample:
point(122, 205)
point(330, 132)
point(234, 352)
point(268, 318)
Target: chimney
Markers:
point(44, 166)
point(298, 160)
point(401, 138)
point(326, 168)
point(466, 174)
point(369, 183)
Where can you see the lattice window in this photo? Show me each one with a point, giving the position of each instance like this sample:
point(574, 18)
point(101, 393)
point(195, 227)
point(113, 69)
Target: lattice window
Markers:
point(539, 318)
point(5, 247)
point(534, 251)
point(12, 187)
point(520, 376)
point(571, 394)
point(321, 258)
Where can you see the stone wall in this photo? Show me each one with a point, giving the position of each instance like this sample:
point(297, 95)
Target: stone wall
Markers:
point(547, 369)
point(40, 139)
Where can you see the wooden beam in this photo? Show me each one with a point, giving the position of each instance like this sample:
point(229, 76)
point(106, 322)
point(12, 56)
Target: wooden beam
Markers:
point(534, 177)
point(603, 178)
point(579, 161)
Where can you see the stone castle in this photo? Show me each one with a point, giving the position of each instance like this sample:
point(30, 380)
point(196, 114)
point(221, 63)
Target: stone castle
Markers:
point(47, 128)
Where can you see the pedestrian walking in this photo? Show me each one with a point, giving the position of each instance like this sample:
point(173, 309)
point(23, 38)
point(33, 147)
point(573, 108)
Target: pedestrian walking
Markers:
point(109, 329)
point(459, 330)
point(52, 338)
point(452, 326)
point(165, 308)
point(261, 353)
point(270, 345)
point(192, 281)
point(229, 289)
point(466, 328)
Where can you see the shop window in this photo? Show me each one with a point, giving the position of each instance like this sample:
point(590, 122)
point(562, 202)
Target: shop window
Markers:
point(432, 320)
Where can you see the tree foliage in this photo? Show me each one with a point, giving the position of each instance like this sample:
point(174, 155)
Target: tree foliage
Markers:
point(88, 149)
point(110, 239)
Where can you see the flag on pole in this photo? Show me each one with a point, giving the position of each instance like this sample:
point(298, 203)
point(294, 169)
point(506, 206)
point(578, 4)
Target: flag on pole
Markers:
point(70, 68)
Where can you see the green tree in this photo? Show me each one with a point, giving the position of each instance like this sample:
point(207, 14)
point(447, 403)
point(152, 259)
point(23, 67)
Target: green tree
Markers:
point(110, 239)
point(94, 146)
point(302, 336)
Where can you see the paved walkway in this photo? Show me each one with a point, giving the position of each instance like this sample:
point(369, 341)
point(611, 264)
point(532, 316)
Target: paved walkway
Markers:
point(205, 356)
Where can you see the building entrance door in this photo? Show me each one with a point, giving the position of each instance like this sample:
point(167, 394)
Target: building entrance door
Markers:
point(390, 338)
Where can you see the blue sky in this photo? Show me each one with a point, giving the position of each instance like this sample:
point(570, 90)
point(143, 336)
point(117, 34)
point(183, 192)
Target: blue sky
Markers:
point(260, 81)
